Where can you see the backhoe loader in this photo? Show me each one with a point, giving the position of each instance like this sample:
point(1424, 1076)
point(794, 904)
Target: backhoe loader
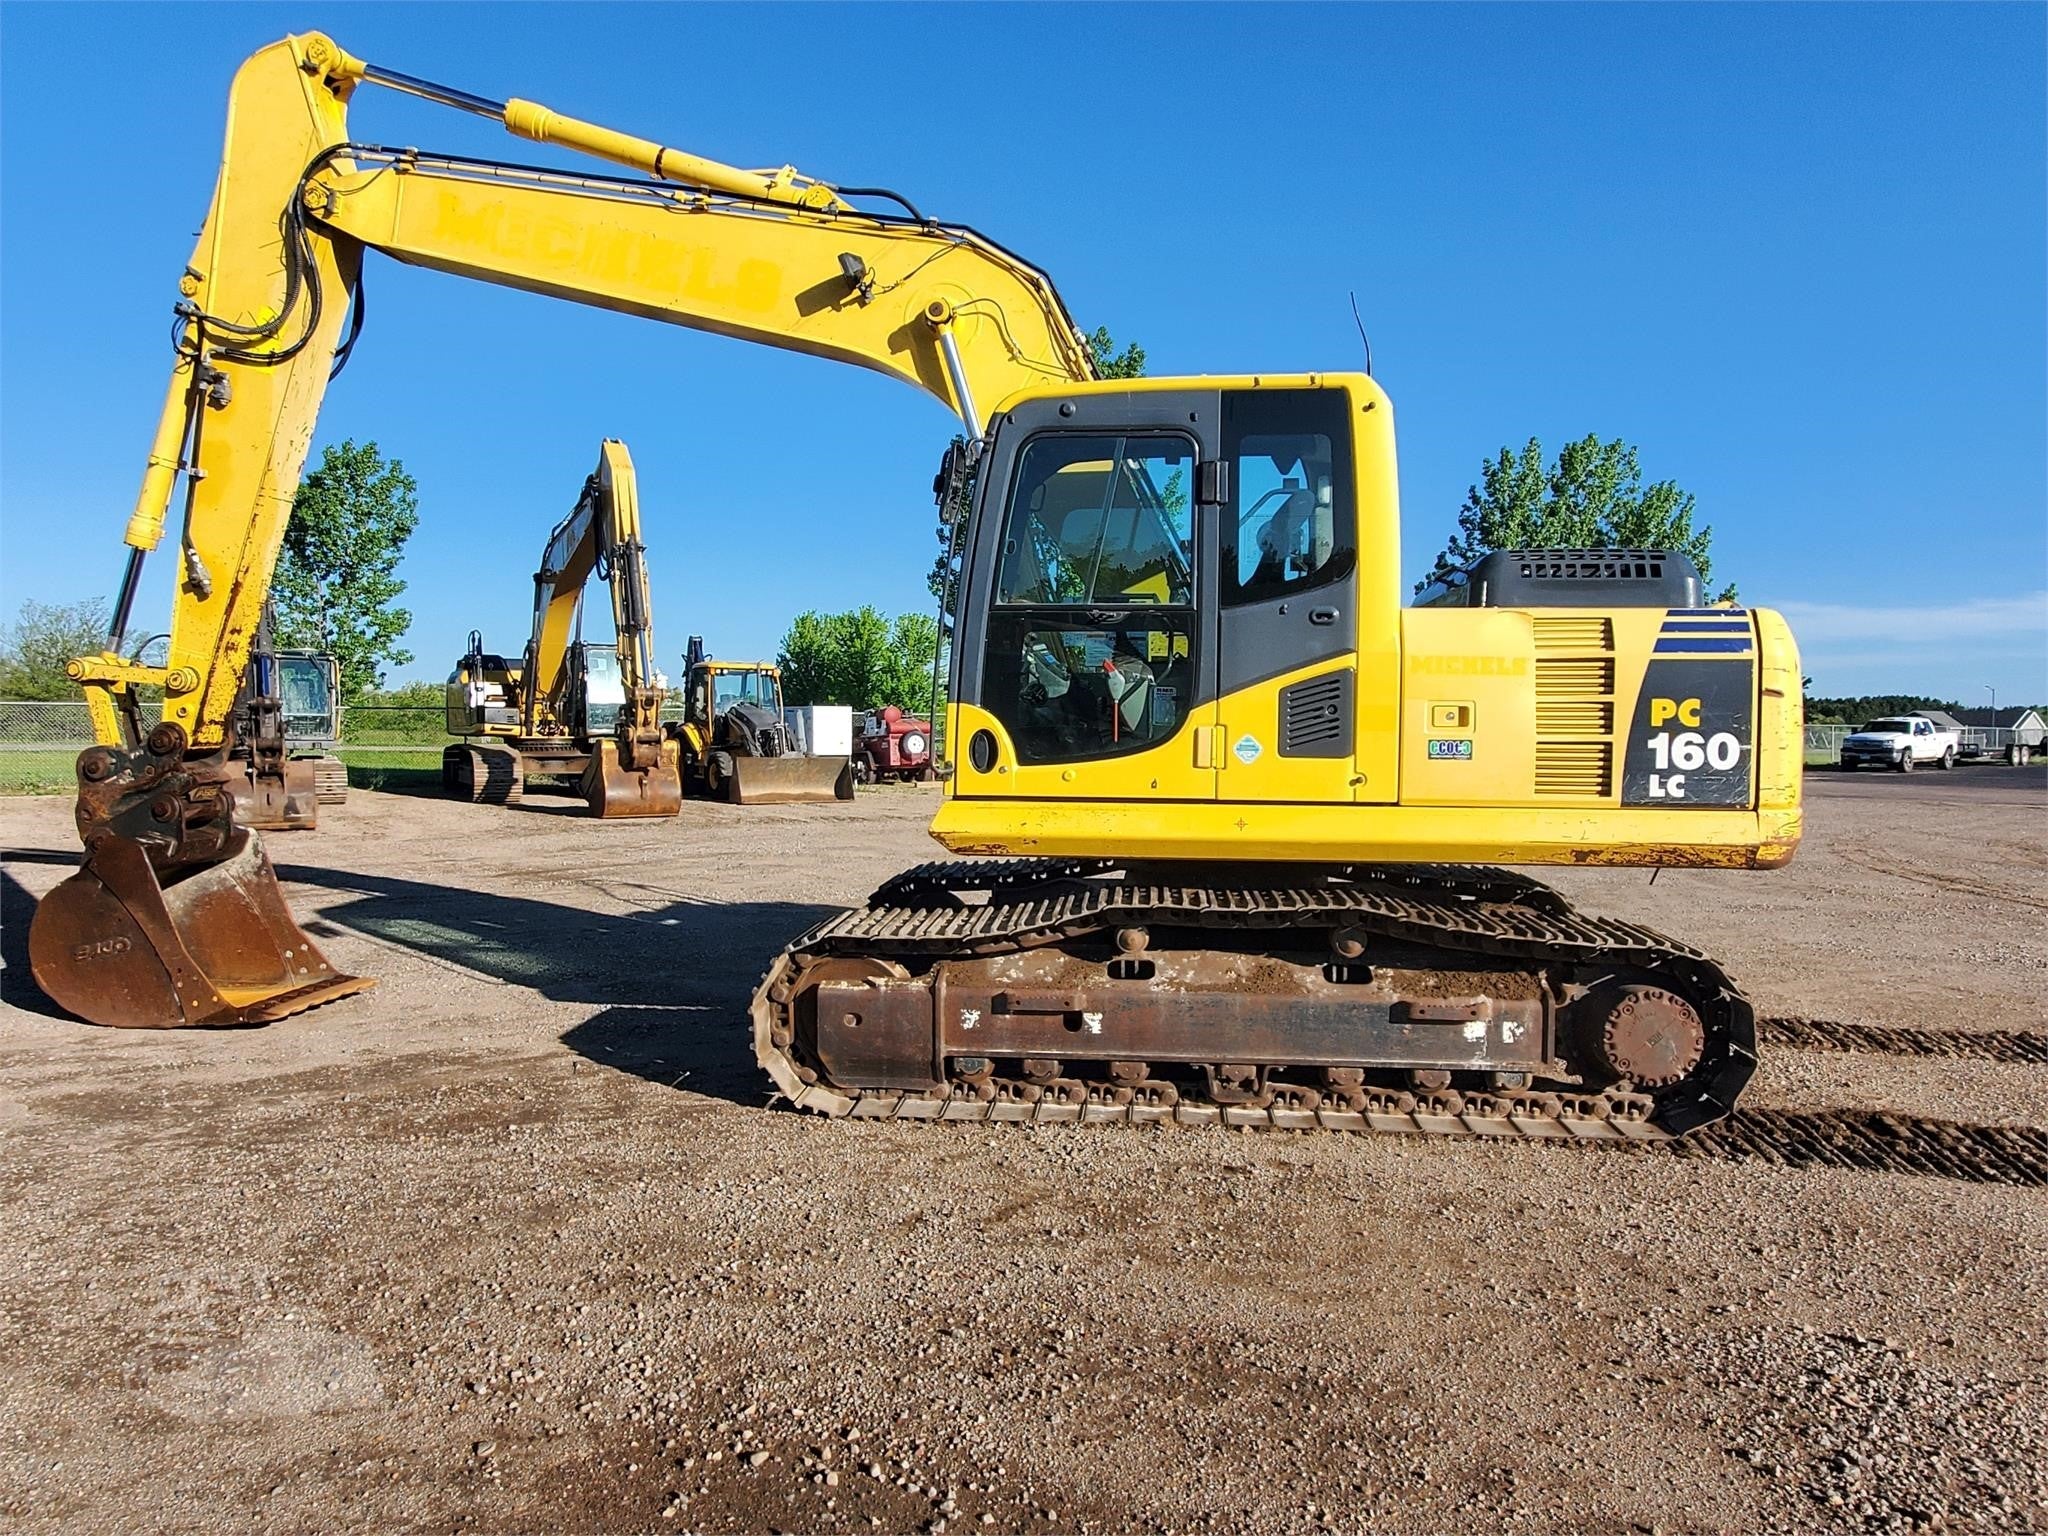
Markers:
point(735, 743)
point(570, 709)
point(1232, 807)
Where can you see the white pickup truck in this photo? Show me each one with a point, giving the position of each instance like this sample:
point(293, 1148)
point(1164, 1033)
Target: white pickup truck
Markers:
point(1904, 742)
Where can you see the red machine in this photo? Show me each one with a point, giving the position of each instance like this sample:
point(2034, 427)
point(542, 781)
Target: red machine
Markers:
point(892, 745)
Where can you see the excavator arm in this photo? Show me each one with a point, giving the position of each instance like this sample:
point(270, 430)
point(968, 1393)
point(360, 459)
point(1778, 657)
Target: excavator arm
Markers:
point(766, 256)
point(600, 535)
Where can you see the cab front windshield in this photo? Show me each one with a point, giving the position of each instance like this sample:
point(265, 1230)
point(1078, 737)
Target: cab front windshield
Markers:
point(730, 688)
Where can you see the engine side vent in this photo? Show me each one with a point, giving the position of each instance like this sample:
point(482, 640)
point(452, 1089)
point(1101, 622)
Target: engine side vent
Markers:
point(1315, 716)
point(1575, 709)
point(1574, 633)
point(1577, 768)
point(1574, 717)
point(1576, 678)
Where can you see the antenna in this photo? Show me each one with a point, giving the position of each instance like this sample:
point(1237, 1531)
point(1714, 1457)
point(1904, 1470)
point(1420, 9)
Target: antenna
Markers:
point(1364, 340)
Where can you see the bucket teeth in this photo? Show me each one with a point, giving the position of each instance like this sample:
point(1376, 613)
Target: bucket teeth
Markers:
point(215, 946)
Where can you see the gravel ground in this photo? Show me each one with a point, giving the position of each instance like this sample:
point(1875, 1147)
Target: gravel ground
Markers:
point(513, 1241)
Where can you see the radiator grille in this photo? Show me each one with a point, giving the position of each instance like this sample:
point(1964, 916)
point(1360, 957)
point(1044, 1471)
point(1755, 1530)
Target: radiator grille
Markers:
point(1575, 708)
point(1578, 678)
point(1574, 717)
point(1574, 767)
point(1574, 633)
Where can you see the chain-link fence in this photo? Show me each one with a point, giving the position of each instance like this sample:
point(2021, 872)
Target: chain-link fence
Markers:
point(40, 741)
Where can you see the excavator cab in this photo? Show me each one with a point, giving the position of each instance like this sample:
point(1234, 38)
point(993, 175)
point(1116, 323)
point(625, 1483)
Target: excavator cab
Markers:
point(274, 792)
point(596, 692)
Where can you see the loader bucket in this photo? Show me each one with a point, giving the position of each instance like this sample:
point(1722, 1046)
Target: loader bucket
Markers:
point(613, 790)
point(271, 805)
point(217, 945)
point(789, 780)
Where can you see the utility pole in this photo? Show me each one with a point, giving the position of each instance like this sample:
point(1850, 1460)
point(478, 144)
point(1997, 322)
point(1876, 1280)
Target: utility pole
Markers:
point(1993, 691)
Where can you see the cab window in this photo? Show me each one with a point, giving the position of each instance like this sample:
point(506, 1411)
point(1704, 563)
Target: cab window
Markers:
point(1290, 523)
point(1092, 634)
point(1071, 691)
point(744, 688)
point(1099, 520)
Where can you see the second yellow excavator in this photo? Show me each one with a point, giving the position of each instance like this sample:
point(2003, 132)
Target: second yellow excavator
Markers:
point(572, 709)
point(1213, 775)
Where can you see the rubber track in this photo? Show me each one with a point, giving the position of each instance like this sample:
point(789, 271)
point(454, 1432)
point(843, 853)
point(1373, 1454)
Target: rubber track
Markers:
point(1879, 1039)
point(919, 917)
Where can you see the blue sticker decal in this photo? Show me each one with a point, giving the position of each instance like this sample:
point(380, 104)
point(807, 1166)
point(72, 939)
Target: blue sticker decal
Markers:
point(1247, 749)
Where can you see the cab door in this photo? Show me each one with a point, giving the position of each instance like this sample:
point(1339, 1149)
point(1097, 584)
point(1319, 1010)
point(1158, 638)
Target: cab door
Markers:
point(1087, 642)
point(1288, 595)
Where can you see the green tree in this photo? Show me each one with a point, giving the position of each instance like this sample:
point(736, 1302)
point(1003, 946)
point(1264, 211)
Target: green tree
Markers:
point(1857, 709)
point(1591, 496)
point(43, 637)
point(1112, 364)
point(336, 584)
point(862, 658)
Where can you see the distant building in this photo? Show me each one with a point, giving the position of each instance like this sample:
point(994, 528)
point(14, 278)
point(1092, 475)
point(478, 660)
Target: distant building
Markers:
point(2027, 725)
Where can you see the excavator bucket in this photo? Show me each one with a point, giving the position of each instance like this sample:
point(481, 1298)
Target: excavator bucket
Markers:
point(789, 780)
point(291, 804)
point(614, 790)
point(217, 945)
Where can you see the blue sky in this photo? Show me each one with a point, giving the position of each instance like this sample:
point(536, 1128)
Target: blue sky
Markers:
point(1795, 255)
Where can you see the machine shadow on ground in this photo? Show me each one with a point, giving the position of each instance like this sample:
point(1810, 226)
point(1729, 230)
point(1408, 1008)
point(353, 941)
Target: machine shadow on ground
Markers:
point(675, 980)
point(673, 983)
point(545, 797)
point(17, 909)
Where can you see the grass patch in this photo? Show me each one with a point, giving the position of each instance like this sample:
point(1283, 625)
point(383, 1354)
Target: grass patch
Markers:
point(54, 772)
point(403, 773)
point(37, 772)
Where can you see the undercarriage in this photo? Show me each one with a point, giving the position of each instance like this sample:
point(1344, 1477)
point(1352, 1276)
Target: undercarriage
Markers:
point(1442, 999)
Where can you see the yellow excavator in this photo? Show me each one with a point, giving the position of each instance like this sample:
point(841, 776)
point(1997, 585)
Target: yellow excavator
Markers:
point(1232, 809)
point(572, 709)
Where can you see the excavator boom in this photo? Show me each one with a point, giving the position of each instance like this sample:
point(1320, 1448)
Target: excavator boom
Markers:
point(773, 257)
